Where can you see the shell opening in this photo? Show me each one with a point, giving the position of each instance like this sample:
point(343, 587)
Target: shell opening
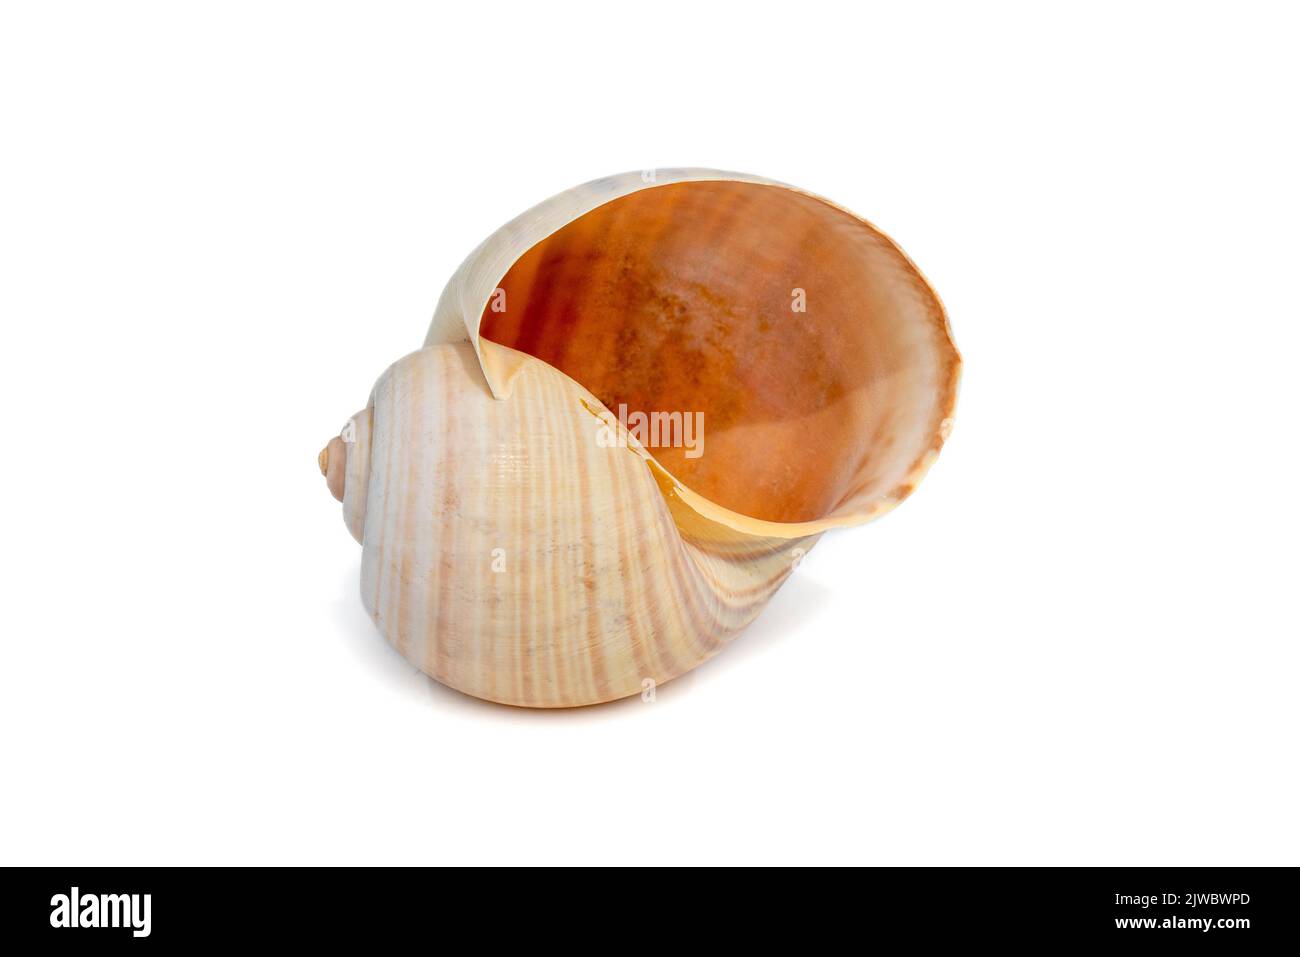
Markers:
point(810, 350)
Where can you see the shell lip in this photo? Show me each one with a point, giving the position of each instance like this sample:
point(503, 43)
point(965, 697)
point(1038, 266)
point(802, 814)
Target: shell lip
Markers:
point(508, 362)
point(460, 310)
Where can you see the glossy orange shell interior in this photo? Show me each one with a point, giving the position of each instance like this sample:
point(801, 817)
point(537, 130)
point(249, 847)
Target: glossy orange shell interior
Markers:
point(686, 298)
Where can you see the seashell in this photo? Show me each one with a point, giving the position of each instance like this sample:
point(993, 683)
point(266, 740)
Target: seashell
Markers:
point(540, 527)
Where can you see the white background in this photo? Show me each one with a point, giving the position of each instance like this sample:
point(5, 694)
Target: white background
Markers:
point(1076, 644)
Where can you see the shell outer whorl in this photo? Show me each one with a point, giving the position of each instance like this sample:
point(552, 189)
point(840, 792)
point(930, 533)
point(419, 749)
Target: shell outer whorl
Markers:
point(510, 555)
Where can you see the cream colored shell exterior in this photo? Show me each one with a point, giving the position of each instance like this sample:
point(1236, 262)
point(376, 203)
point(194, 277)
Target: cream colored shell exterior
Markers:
point(510, 553)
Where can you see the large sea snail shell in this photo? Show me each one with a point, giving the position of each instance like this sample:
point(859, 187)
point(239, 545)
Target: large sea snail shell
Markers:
point(525, 537)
